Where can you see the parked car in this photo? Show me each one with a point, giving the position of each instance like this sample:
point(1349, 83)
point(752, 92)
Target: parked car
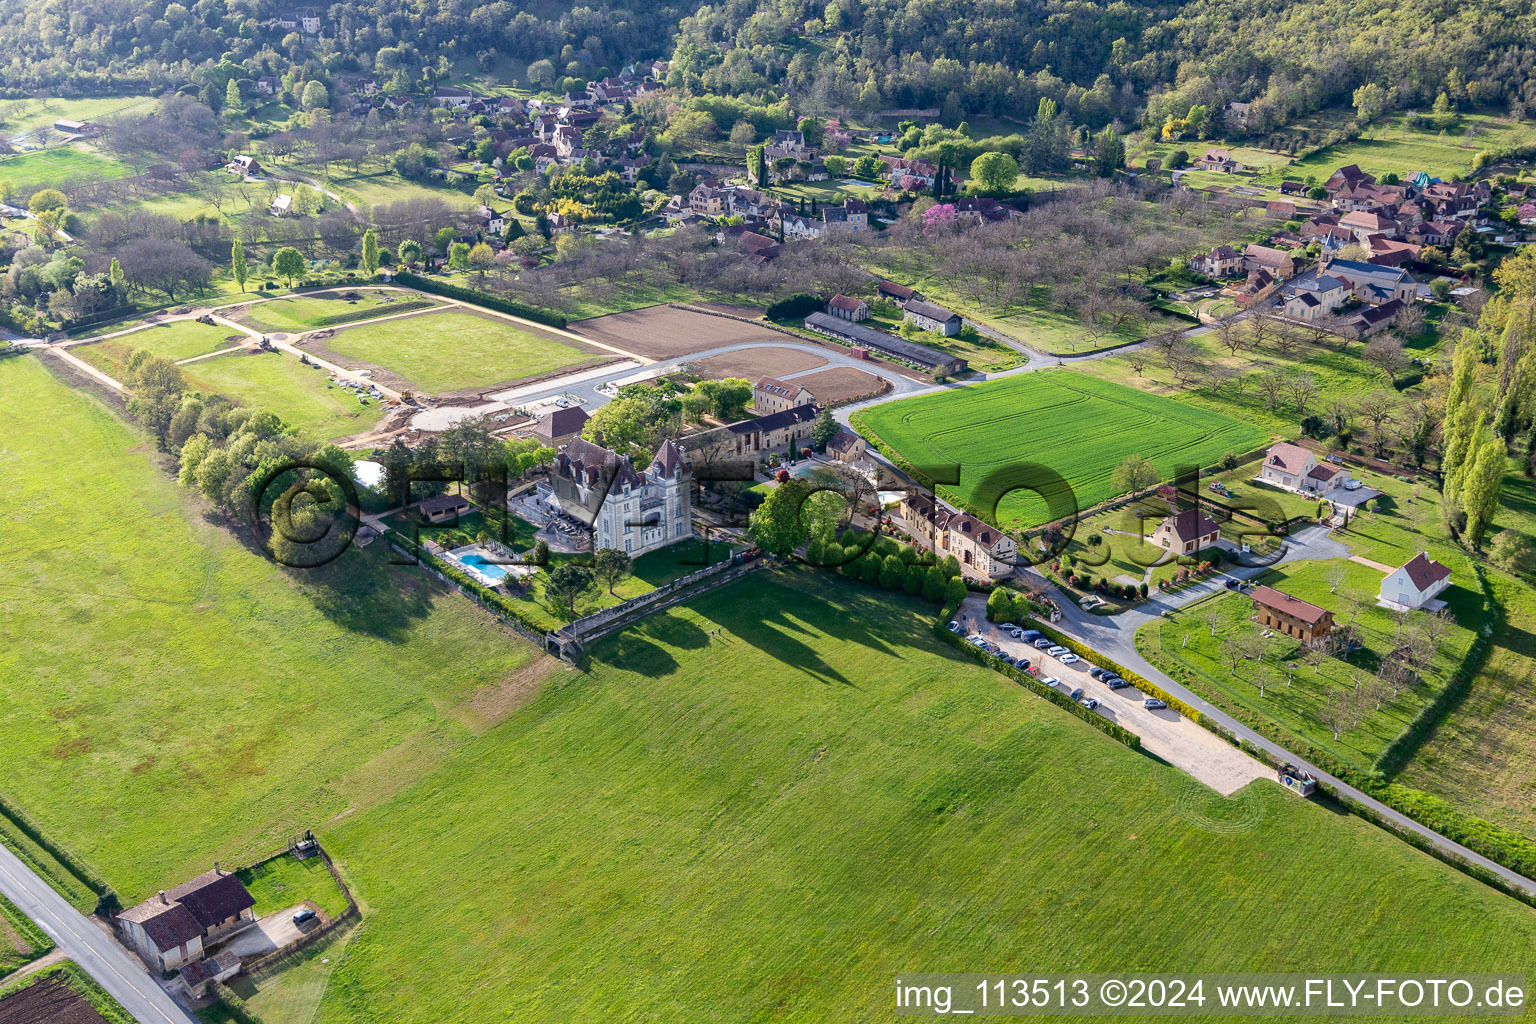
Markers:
point(1050, 680)
point(1115, 682)
point(1070, 659)
point(1031, 635)
point(1056, 651)
point(304, 916)
point(1042, 644)
point(1097, 672)
point(1089, 702)
point(1074, 692)
point(954, 627)
point(1153, 704)
point(1009, 627)
point(1023, 663)
point(1234, 584)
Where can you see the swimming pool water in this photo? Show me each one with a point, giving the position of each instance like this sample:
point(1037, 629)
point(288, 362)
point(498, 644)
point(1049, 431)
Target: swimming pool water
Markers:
point(490, 569)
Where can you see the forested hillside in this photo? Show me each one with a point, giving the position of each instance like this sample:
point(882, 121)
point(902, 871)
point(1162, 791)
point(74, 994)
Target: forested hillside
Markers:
point(1125, 59)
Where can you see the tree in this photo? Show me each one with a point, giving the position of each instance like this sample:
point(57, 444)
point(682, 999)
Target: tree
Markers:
point(156, 386)
point(1513, 552)
point(1108, 152)
point(315, 96)
point(237, 263)
point(1135, 473)
point(994, 172)
point(371, 252)
point(565, 584)
point(47, 200)
point(955, 591)
point(776, 524)
point(612, 566)
point(1385, 352)
point(115, 273)
point(934, 583)
point(481, 257)
point(232, 100)
point(458, 256)
point(289, 263)
point(824, 429)
point(410, 252)
point(1370, 100)
point(1482, 479)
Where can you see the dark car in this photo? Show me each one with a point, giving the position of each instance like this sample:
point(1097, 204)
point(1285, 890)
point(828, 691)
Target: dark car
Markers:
point(1098, 673)
point(1234, 584)
point(304, 916)
point(1153, 704)
point(1115, 682)
point(1044, 645)
point(1030, 635)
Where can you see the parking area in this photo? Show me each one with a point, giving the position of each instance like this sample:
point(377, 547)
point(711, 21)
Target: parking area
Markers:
point(1163, 731)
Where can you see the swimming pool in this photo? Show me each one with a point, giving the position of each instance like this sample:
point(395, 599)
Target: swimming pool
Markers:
point(490, 570)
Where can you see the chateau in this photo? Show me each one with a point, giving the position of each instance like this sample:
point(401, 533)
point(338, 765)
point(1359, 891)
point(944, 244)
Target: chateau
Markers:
point(629, 509)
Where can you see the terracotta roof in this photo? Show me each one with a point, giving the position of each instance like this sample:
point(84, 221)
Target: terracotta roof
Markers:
point(1284, 603)
point(1424, 572)
point(843, 440)
point(896, 291)
point(1287, 456)
point(1190, 524)
point(774, 386)
point(845, 303)
point(1323, 472)
point(168, 925)
point(213, 897)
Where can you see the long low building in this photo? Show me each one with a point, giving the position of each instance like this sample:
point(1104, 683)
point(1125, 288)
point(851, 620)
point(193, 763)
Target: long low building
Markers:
point(928, 359)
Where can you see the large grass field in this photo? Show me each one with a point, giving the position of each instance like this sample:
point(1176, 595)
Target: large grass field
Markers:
point(182, 339)
point(1080, 428)
point(447, 351)
point(28, 115)
point(761, 805)
point(277, 382)
point(60, 167)
point(309, 311)
point(202, 703)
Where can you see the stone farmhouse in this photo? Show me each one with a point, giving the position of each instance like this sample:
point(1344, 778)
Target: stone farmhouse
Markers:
point(1186, 532)
point(983, 551)
point(173, 928)
point(931, 317)
point(770, 395)
point(864, 339)
point(848, 308)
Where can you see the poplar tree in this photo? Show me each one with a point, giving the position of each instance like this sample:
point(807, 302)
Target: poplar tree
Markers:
point(237, 264)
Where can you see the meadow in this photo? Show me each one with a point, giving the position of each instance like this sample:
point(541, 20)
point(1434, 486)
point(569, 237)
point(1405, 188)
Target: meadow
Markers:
point(29, 115)
point(297, 394)
point(182, 339)
point(319, 309)
point(285, 882)
point(169, 668)
point(60, 167)
point(1075, 426)
point(439, 352)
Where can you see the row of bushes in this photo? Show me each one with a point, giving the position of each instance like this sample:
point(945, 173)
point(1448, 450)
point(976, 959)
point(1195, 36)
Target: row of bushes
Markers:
point(1050, 693)
point(99, 317)
point(486, 596)
point(353, 315)
point(796, 305)
point(106, 897)
point(1136, 679)
point(235, 1004)
point(497, 302)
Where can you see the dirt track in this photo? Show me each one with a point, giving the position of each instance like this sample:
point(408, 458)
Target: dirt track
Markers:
point(662, 332)
point(841, 384)
point(753, 363)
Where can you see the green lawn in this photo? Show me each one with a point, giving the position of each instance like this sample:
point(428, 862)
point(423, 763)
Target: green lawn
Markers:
point(168, 668)
point(1048, 330)
point(285, 882)
point(1077, 427)
point(1391, 144)
point(28, 115)
point(60, 167)
point(277, 382)
point(822, 784)
point(309, 311)
point(182, 339)
point(447, 351)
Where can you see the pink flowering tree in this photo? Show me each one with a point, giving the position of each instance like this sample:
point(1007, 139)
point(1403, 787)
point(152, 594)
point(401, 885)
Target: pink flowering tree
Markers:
point(938, 215)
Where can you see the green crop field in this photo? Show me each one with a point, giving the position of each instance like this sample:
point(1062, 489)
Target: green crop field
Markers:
point(169, 668)
point(180, 340)
point(277, 382)
point(59, 167)
point(440, 352)
point(306, 312)
point(1075, 426)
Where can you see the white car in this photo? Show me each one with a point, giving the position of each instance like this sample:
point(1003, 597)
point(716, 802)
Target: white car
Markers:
point(1050, 680)
point(1069, 658)
point(1057, 651)
point(1089, 702)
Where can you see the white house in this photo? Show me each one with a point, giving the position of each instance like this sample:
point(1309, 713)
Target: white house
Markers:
point(1414, 583)
point(631, 510)
point(1294, 468)
point(282, 206)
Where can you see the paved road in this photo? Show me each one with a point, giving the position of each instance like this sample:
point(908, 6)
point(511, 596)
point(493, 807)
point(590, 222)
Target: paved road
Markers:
point(87, 944)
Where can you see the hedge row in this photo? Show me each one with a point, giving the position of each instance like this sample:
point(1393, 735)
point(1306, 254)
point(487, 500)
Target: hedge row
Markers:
point(1136, 679)
point(353, 315)
point(236, 1005)
point(492, 600)
point(37, 940)
point(99, 317)
point(106, 897)
point(798, 304)
point(479, 298)
point(1050, 693)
